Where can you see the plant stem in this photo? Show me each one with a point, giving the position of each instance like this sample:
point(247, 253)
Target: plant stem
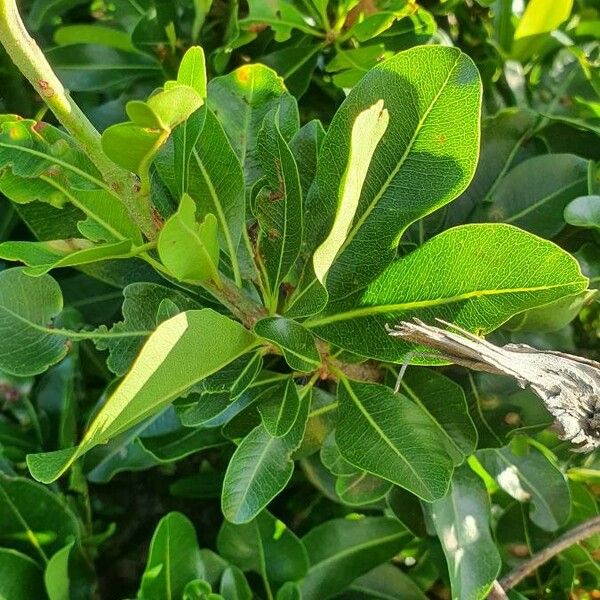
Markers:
point(29, 59)
point(571, 537)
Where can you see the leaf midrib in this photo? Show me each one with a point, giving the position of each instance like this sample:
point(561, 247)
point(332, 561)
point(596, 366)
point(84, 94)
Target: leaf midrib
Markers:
point(366, 311)
point(353, 232)
point(383, 436)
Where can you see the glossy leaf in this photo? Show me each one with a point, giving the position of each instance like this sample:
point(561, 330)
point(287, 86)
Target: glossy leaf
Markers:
point(444, 401)
point(260, 468)
point(531, 478)
point(241, 101)
point(535, 193)
point(462, 522)
point(20, 576)
point(296, 342)
point(28, 307)
point(278, 207)
point(266, 546)
point(340, 550)
point(385, 581)
point(398, 441)
point(583, 212)
point(459, 276)
point(146, 388)
point(234, 585)
point(173, 561)
point(41, 257)
point(420, 163)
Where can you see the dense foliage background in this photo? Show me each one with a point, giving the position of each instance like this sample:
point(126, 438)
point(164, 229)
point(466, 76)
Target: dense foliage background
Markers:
point(257, 448)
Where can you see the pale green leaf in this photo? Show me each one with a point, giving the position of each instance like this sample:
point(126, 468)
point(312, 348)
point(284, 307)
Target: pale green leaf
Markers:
point(192, 70)
point(162, 371)
point(189, 250)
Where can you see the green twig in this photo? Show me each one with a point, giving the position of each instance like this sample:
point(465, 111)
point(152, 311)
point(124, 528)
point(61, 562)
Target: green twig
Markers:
point(29, 59)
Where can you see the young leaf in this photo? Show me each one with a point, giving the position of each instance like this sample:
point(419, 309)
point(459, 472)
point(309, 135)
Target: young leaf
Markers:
point(279, 409)
point(398, 441)
point(190, 251)
point(173, 561)
point(340, 550)
point(241, 100)
point(260, 468)
point(161, 372)
point(531, 478)
point(216, 182)
point(28, 307)
point(461, 276)
point(192, 70)
point(432, 95)
point(278, 207)
point(462, 522)
point(296, 342)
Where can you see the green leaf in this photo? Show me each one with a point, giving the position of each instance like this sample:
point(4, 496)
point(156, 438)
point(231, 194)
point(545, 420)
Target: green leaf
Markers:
point(178, 444)
point(44, 164)
point(340, 550)
point(398, 441)
point(28, 307)
point(192, 70)
point(41, 257)
point(33, 519)
point(279, 410)
point(67, 35)
point(385, 581)
point(477, 276)
point(20, 576)
point(281, 16)
point(432, 95)
point(189, 250)
point(531, 478)
point(305, 146)
point(216, 183)
point(131, 146)
point(241, 100)
point(367, 131)
point(534, 194)
point(261, 467)
point(56, 575)
point(278, 207)
point(234, 585)
point(538, 21)
point(173, 561)
point(266, 546)
point(462, 522)
point(361, 488)
point(80, 67)
point(583, 212)
point(445, 403)
point(161, 372)
point(296, 342)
